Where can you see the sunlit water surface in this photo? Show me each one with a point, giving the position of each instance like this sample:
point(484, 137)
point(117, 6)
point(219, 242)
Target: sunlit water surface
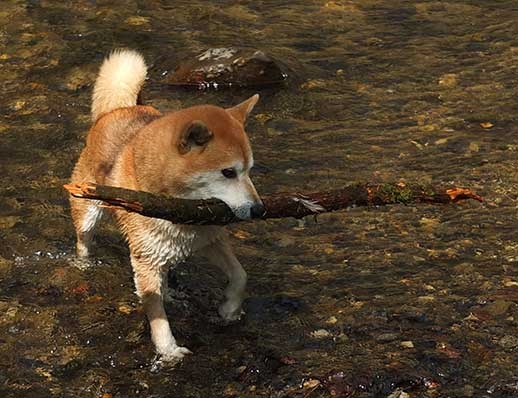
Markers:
point(365, 302)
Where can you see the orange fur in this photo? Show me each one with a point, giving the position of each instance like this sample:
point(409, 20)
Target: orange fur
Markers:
point(181, 153)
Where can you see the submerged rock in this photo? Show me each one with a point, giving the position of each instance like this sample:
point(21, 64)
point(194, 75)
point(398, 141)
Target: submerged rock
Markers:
point(228, 67)
point(508, 342)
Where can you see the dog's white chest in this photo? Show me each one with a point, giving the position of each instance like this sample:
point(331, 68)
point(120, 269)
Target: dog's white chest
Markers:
point(167, 242)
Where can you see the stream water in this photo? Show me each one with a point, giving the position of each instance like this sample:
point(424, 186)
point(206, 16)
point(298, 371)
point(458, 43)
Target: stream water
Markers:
point(398, 301)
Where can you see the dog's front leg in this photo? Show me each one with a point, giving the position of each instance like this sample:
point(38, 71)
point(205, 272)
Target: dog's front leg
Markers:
point(149, 285)
point(220, 254)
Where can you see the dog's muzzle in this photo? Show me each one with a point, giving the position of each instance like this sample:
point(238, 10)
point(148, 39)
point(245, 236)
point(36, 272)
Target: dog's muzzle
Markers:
point(257, 210)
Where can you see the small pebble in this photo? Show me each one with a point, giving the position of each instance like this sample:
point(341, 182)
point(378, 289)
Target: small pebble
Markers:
point(448, 80)
point(387, 337)
point(137, 20)
point(399, 394)
point(311, 383)
point(125, 309)
point(498, 307)
point(425, 299)
point(320, 334)
point(407, 344)
point(473, 147)
point(508, 342)
point(486, 125)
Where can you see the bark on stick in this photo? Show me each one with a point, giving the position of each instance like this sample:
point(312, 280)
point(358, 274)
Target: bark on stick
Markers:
point(279, 205)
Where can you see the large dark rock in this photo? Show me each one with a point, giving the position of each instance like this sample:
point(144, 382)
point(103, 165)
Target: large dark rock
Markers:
point(228, 67)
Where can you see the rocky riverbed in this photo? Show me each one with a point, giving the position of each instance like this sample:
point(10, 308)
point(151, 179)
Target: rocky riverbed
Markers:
point(400, 301)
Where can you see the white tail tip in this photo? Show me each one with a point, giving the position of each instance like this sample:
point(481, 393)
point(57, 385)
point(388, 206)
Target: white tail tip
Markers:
point(119, 82)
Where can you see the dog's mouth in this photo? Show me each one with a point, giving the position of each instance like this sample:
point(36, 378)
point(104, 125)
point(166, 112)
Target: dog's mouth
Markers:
point(243, 212)
point(238, 193)
point(248, 211)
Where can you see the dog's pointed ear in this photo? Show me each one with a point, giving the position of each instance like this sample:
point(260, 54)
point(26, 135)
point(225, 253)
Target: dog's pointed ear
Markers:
point(194, 134)
point(242, 110)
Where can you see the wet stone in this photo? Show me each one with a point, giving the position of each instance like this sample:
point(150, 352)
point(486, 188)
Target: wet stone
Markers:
point(321, 334)
point(79, 78)
point(498, 308)
point(387, 337)
point(448, 80)
point(4, 305)
point(228, 67)
point(285, 241)
point(5, 266)
point(399, 394)
point(508, 342)
point(411, 314)
point(468, 390)
point(407, 344)
point(338, 384)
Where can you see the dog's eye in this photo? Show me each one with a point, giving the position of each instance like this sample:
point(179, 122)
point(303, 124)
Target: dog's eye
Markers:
point(229, 173)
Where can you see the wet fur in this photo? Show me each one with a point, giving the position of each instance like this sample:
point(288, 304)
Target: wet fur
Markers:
point(180, 153)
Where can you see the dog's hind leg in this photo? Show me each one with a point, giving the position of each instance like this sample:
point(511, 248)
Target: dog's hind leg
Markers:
point(220, 254)
point(85, 214)
point(149, 283)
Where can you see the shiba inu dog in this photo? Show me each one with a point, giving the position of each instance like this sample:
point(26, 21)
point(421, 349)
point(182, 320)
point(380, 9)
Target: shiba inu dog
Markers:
point(195, 153)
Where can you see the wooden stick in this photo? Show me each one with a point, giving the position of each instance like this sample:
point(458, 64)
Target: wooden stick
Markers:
point(280, 205)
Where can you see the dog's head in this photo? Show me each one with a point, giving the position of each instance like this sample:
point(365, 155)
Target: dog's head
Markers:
point(213, 158)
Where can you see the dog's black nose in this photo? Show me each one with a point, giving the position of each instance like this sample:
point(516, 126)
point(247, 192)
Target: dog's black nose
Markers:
point(257, 210)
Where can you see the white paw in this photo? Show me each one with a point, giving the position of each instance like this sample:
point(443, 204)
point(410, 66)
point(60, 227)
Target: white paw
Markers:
point(173, 353)
point(82, 249)
point(230, 311)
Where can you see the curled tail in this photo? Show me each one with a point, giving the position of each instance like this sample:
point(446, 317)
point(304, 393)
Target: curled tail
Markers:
point(118, 84)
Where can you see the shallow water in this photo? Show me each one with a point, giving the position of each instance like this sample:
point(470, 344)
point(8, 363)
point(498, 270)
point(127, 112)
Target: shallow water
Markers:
point(365, 302)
